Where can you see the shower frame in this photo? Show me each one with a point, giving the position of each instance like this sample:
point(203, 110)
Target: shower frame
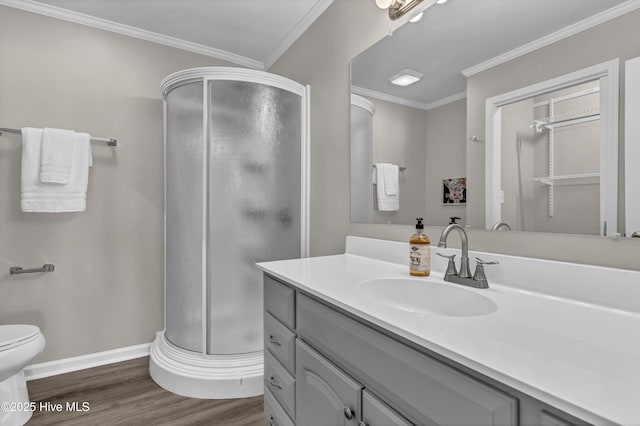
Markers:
point(205, 375)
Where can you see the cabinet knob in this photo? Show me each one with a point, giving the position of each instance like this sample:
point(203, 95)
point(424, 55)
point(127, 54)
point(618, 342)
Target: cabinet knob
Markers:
point(272, 382)
point(274, 340)
point(348, 413)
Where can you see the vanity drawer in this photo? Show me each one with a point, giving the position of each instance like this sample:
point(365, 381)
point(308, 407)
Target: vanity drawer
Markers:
point(426, 390)
point(280, 341)
point(274, 415)
point(279, 301)
point(280, 383)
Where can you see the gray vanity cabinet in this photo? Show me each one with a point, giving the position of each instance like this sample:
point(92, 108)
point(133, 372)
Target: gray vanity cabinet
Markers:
point(428, 391)
point(325, 367)
point(325, 396)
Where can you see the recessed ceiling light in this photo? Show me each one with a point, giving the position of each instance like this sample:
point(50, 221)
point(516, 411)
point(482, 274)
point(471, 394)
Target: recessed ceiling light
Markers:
point(417, 17)
point(406, 77)
point(441, 1)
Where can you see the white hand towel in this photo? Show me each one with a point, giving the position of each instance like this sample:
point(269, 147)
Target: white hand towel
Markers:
point(51, 197)
point(387, 202)
point(390, 172)
point(56, 155)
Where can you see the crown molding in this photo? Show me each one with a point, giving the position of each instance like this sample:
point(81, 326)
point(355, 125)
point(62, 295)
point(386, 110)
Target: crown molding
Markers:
point(572, 29)
point(388, 98)
point(302, 26)
point(127, 30)
point(447, 100)
point(407, 102)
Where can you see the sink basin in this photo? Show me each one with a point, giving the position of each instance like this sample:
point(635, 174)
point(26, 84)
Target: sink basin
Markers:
point(426, 295)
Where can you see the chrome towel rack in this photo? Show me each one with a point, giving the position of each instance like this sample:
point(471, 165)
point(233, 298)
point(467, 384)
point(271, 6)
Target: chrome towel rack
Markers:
point(15, 270)
point(400, 168)
point(108, 141)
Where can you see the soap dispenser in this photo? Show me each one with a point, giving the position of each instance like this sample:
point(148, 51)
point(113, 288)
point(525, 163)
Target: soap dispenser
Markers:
point(419, 252)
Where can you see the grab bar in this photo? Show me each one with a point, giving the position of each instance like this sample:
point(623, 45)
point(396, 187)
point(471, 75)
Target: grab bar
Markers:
point(47, 267)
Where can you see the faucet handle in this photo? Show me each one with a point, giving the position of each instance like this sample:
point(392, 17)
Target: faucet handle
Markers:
point(451, 266)
point(483, 262)
point(450, 257)
point(479, 274)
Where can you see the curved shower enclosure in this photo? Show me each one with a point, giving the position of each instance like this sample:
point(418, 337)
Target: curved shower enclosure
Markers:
point(362, 111)
point(235, 194)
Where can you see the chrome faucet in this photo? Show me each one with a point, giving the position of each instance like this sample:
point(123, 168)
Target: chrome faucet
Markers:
point(479, 279)
point(464, 260)
point(501, 226)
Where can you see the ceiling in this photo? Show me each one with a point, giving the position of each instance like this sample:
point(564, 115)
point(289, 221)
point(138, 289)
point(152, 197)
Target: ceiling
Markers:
point(253, 33)
point(460, 34)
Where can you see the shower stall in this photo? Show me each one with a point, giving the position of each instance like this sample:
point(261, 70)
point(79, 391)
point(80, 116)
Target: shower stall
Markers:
point(236, 193)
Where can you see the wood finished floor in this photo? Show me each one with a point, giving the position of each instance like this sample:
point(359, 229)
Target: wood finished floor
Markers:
point(124, 394)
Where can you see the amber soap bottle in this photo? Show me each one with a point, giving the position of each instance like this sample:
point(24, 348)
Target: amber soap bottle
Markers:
point(419, 252)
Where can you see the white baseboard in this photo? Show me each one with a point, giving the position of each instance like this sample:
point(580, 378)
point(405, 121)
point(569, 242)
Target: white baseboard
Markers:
point(67, 365)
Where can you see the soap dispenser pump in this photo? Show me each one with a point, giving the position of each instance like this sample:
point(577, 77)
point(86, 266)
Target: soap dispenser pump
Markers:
point(419, 252)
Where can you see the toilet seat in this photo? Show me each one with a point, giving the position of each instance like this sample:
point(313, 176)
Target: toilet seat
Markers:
point(16, 334)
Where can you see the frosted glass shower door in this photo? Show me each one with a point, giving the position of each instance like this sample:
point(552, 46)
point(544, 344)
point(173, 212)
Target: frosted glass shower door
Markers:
point(254, 203)
point(184, 204)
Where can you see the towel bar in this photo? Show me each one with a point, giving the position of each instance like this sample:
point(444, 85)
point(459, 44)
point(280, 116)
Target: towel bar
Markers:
point(108, 141)
point(47, 267)
point(401, 168)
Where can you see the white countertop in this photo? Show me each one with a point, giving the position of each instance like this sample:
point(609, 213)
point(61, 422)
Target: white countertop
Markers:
point(582, 358)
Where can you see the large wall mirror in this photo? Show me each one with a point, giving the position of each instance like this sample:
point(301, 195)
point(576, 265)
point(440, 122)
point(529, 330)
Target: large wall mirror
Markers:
point(422, 127)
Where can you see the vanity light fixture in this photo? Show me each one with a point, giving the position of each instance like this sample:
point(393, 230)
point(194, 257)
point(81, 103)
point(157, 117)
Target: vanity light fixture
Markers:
point(397, 8)
point(406, 77)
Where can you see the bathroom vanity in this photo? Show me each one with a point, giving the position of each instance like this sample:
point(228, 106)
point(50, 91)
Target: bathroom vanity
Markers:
point(351, 339)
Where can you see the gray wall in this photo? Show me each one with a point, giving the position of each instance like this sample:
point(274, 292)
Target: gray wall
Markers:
point(399, 138)
point(321, 58)
point(446, 157)
point(107, 288)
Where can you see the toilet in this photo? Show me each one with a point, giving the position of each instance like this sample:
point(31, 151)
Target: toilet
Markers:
point(19, 344)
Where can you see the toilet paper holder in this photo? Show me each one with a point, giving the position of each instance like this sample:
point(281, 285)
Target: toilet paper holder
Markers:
point(47, 267)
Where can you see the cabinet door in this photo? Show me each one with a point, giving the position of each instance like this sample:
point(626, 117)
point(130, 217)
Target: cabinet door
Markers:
point(377, 413)
point(547, 419)
point(325, 396)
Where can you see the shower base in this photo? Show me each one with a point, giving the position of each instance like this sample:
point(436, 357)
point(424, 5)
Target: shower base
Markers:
point(193, 375)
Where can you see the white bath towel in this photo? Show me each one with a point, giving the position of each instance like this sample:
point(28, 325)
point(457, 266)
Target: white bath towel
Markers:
point(51, 197)
point(387, 187)
point(391, 184)
point(56, 155)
